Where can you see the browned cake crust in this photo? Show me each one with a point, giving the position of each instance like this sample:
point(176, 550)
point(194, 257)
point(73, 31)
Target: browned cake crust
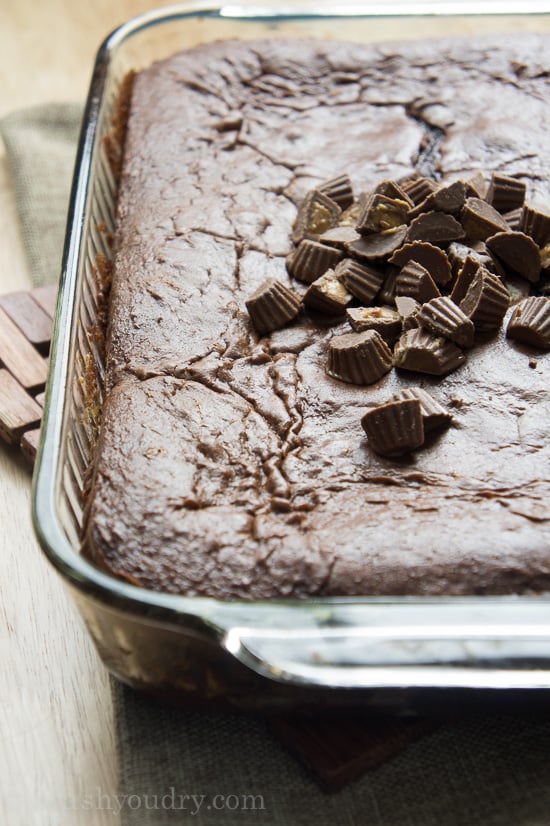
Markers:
point(231, 464)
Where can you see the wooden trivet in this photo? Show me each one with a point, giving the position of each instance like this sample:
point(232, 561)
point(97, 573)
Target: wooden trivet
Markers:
point(336, 747)
point(25, 329)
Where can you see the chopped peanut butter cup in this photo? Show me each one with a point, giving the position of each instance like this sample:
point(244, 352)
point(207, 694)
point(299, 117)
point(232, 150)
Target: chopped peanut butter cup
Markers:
point(362, 281)
point(518, 252)
point(378, 245)
point(505, 194)
point(394, 428)
point(431, 257)
point(435, 228)
point(393, 190)
point(434, 415)
point(443, 317)
point(486, 300)
point(272, 306)
point(415, 281)
point(339, 190)
point(327, 295)
point(418, 189)
point(385, 320)
point(536, 224)
point(530, 322)
point(339, 236)
point(408, 309)
point(449, 198)
point(480, 220)
point(311, 259)
point(382, 213)
point(316, 214)
point(421, 351)
point(359, 358)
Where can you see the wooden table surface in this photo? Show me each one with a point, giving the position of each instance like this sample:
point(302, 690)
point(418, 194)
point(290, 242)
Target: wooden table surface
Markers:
point(57, 759)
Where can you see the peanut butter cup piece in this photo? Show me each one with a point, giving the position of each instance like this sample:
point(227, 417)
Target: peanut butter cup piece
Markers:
point(339, 190)
point(339, 236)
point(505, 193)
point(362, 281)
point(464, 278)
point(457, 254)
point(425, 353)
point(536, 224)
point(530, 322)
point(350, 216)
point(392, 190)
point(394, 428)
point(449, 198)
point(431, 257)
point(513, 218)
point(434, 415)
point(387, 293)
point(415, 281)
point(435, 228)
point(385, 320)
point(312, 259)
point(316, 214)
point(272, 306)
point(359, 358)
point(418, 189)
point(517, 252)
point(486, 300)
point(327, 295)
point(480, 220)
point(408, 309)
point(382, 213)
point(379, 245)
point(442, 317)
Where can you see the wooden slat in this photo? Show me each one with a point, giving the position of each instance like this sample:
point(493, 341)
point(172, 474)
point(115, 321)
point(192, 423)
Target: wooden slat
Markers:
point(29, 444)
point(28, 315)
point(20, 357)
point(46, 298)
point(18, 410)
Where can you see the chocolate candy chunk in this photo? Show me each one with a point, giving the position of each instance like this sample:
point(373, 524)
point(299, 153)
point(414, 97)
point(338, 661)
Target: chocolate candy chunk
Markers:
point(272, 306)
point(434, 415)
point(443, 317)
point(359, 358)
point(362, 281)
point(418, 189)
point(311, 259)
point(431, 257)
point(505, 193)
point(449, 199)
point(518, 252)
point(421, 351)
point(480, 220)
point(316, 214)
point(339, 236)
point(465, 278)
point(415, 281)
point(394, 428)
point(536, 224)
point(436, 228)
point(385, 320)
point(486, 300)
point(378, 246)
point(339, 190)
point(392, 190)
point(513, 218)
point(387, 293)
point(457, 254)
point(408, 309)
point(382, 213)
point(328, 295)
point(530, 322)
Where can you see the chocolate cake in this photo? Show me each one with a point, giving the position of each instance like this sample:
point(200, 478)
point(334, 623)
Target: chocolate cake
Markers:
point(229, 462)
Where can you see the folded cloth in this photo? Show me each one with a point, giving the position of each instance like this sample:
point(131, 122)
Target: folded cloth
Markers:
point(41, 145)
point(180, 766)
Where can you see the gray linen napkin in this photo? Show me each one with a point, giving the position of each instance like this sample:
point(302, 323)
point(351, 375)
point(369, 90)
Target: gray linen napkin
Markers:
point(180, 766)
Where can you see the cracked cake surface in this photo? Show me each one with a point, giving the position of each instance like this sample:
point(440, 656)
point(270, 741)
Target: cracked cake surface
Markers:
point(230, 464)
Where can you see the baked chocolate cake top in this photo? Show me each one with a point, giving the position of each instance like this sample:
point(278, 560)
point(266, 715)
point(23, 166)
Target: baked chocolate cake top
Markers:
point(231, 464)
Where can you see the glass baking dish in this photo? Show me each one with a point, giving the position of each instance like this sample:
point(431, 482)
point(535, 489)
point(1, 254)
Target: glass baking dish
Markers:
point(331, 651)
